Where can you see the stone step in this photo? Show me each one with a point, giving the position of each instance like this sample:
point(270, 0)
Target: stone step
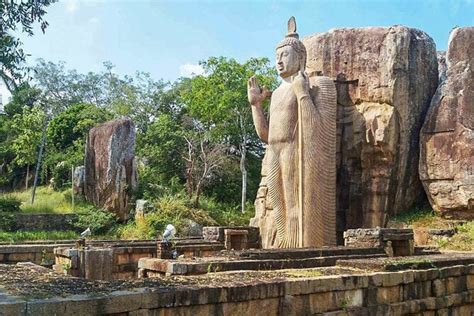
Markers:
point(177, 267)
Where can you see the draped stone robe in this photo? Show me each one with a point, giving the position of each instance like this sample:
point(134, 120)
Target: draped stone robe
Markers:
point(319, 167)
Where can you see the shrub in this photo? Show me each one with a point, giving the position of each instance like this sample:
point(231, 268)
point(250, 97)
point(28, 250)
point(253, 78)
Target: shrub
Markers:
point(7, 222)
point(177, 210)
point(98, 220)
point(9, 204)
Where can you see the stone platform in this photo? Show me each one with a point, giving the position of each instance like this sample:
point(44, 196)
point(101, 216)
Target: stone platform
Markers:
point(264, 259)
point(339, 291)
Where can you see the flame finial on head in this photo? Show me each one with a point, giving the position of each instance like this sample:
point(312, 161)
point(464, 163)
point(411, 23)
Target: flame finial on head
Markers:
point(292, 28)
point(292, 39)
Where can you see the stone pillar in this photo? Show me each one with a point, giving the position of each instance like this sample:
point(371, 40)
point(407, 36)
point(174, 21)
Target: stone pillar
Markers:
point(96, 263)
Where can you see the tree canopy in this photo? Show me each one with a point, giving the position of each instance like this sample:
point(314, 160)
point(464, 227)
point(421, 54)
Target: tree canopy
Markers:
point(17, 15)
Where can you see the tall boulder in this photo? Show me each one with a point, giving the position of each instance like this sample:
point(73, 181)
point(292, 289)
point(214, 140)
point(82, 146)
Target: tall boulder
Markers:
point(385, 78)
point(447, 137)
point(110, 173)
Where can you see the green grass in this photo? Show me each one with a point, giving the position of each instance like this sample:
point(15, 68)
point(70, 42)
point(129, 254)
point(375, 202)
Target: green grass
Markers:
point(47, 201)
point(36, 235)
point(462, 241)
point(420, 217)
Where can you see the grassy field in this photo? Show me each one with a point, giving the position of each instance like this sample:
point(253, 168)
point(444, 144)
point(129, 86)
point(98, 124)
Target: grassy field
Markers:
point(47, 201)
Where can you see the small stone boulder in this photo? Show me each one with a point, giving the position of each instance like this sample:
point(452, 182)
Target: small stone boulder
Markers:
point(447, 137)
point(142, 207)
point(110, 173)
point(191, 229)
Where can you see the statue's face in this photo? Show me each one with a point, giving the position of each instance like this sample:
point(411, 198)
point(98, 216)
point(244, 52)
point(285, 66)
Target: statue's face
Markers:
point(287, 61)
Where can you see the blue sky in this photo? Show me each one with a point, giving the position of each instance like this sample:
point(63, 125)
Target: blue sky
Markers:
point(169, 38)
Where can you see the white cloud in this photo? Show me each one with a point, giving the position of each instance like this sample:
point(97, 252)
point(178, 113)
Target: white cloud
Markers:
point(71, 6)
point(190, 70)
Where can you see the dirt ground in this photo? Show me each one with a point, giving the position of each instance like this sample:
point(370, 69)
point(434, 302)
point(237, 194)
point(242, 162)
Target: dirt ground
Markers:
point(30, 281)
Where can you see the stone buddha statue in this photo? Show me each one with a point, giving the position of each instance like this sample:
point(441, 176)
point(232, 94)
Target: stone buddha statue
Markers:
point(301, 148)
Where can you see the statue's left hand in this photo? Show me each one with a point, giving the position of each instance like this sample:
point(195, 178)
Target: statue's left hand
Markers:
point(300, 84)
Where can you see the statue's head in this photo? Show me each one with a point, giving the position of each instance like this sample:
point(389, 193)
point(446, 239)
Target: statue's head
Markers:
point(290, 53)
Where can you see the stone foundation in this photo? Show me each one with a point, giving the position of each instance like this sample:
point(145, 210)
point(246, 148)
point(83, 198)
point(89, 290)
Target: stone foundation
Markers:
point(101, 263)
point(439, 291)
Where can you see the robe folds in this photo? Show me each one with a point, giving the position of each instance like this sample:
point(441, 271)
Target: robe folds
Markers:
point(318, 223)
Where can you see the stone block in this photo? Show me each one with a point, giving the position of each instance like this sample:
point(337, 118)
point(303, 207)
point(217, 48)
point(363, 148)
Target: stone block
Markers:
point(451, 271)
point(322, 302)
point(257, 307)
point(393, 278)
point(135, 257)
point(98, 263)
point(235, 239)
point(392, 294)
point(121, 258)
point(455, 284)
point(470, 281)
point(8, 308)
point(21, 257)
point(438, 287)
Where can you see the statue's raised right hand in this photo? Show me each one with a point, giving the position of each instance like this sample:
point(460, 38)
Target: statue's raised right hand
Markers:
point(256, 94)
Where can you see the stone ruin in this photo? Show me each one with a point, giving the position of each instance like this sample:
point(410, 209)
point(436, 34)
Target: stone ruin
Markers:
point(110, 173)
point(373, 274)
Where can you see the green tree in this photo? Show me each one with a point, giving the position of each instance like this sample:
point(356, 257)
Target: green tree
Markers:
point(17, 15)
point(218, 99)
point(23, 96)
point(28, 127)
point(16, 132)
point(66, 135)
point(160, 146)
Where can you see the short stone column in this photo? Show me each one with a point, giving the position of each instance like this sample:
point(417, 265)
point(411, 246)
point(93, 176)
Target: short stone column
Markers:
point(235, 239)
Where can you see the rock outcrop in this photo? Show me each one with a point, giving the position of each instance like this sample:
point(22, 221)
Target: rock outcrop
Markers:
point(110, 173)
point(447, 137)
point(385, 79)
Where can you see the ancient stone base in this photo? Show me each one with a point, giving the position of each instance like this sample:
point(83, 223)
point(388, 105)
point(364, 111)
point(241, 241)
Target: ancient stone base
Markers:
point(396, 242)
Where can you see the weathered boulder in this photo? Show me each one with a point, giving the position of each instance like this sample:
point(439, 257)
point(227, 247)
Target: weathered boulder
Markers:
point(110, 173)
point(447, 137)
point(385, 78)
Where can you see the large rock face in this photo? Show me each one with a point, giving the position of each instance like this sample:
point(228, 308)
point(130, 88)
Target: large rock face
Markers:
point(110, 173)
point(385, 79)
point(447, 137)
